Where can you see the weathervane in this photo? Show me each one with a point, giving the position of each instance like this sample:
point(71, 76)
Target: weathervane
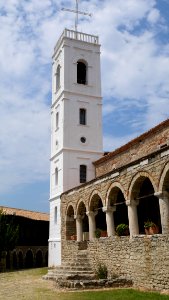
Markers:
point(77, 12)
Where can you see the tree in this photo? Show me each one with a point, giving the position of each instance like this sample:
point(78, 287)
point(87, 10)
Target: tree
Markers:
point(9, 232)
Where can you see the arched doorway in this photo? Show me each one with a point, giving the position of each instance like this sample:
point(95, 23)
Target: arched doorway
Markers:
point(15, 262)
point(20, 260)
point(39, 259)
point(117, 201)
point(96, 206)
point(148, 204)
point(70, 224)
point(29, 259)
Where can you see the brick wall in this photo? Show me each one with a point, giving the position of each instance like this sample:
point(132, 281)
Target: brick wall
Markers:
point(142, 146)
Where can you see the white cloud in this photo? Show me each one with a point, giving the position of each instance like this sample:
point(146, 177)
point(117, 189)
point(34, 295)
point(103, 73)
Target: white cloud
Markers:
point(135, 69)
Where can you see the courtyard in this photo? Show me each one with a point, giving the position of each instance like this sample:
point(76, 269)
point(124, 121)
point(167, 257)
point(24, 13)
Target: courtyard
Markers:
point(28, 284)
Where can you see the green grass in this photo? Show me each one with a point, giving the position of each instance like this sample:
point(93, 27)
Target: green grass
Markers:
point(28, 285)
point(123, 294)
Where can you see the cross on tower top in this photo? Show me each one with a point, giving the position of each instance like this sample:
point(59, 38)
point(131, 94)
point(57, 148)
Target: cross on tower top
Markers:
point(77, 12)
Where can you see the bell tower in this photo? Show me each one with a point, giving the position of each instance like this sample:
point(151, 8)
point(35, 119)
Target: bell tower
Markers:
point(76, 122)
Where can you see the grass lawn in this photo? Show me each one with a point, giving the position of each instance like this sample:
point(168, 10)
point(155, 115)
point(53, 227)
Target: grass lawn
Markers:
point(28, 284)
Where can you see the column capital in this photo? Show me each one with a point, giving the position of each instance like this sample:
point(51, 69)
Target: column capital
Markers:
point(132, 202)
point(109, 209)
point(78, 217)
point(91, 213)
point(162, 195)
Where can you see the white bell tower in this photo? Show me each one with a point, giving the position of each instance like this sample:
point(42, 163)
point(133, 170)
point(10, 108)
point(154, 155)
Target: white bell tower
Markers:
point(76, 121)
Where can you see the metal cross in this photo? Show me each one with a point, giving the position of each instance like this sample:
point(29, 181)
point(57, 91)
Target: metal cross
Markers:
point(77, 12)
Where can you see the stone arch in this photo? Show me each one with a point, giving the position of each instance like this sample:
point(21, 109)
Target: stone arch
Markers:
point(96, 205)
point(95, 193)
point(39, 259)
point(81, 211)
point(164, 179)
point(82, 67)
point(70, 222)
point(142, 194)
point(29, 259)
point(115, 199)
point(139, 177)
point(113, 185)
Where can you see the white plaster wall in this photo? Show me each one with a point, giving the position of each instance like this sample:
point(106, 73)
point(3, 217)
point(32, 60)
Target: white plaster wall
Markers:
point(70, 152)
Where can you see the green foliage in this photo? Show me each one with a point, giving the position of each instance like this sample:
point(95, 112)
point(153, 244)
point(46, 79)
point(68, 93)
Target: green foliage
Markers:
point(101, 271)
point(149, 224)
point(9, 232)
point(122, 229)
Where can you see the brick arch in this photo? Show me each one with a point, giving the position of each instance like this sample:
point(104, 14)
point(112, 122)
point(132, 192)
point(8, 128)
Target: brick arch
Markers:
point(164, 178)
point(94, 194)
point(137, 180)
point(116, 186)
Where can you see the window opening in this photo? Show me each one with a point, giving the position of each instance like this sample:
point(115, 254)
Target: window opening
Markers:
point(58, 78)
point(82, 116)
point(83, 139)
point(55, 216)
point(57, 120)
point(56, 176)
point(83, 173)
point(81, 73)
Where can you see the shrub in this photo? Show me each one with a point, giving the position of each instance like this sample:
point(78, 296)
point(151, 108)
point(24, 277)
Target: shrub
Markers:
point(101, 272)
point(122, 229)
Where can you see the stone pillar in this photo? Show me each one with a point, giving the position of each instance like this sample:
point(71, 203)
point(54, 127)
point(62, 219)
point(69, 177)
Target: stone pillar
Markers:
point(164, 210)
point(92, 224)
point(109, 220)
point(132, 216)
point(79, 229)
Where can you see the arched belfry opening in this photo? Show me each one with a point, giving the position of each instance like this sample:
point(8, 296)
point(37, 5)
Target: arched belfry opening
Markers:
point(96, 206)
point(117, 201)
point(148, 204)
point(81, 72)
point(70, 223)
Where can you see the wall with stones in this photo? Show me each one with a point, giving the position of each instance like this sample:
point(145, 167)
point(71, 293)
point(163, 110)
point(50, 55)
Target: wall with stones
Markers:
point(143, 259)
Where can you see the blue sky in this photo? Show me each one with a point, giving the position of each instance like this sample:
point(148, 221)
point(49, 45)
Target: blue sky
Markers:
point(135, 82)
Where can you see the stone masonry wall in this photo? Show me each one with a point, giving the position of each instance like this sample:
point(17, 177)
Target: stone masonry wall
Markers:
point(142, 146)
point(144, 259)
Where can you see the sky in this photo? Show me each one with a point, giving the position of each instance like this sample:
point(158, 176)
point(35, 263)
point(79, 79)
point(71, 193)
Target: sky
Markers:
point(135, 82)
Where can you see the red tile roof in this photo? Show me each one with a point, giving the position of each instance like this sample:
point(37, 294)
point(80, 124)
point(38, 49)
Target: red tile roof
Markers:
point(25, 213)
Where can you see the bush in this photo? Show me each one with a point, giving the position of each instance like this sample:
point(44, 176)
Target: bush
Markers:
point(101, 272)
point(122, 229)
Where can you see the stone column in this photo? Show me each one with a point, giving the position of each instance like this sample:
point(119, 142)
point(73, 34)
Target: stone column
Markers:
point(132, 216)
point(79, 229)
point(109, 220)
point(92, 224)
point(164, 210)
